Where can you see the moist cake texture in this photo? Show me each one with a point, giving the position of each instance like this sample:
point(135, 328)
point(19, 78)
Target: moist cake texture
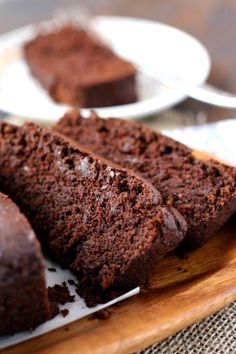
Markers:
point(76, 69)
point(106, 224)
point(204, 192)
point(23, 294)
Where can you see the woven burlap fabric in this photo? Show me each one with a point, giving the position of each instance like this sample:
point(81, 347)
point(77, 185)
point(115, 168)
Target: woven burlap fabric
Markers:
point(214, 335)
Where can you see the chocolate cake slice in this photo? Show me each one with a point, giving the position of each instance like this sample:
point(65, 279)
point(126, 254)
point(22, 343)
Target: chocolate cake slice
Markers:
point(77, 69)
point(105, 223)
point(23, 293)
point(204, 192)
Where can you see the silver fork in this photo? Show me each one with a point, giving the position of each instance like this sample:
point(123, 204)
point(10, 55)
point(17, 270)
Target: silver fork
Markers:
point(204, 92)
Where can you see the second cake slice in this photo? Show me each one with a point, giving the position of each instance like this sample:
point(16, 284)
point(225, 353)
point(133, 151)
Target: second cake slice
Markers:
point(204, 192)
point(105, 223)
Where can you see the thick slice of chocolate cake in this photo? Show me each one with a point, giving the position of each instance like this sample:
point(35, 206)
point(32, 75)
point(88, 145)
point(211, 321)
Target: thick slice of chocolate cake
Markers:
point(23, 294)
point(204, 192)
point(104, 222)
point(76, 69)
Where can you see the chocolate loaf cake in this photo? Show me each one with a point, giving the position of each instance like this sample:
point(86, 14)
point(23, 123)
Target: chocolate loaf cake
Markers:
point(105, 223)
point(204, 192)
point(76, 69)
point(23, 293)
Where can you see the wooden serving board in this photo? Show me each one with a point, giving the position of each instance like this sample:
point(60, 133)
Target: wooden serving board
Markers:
point(181, 292)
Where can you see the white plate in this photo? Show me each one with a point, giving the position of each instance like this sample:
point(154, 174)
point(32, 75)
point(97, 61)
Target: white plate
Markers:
point(156, 45)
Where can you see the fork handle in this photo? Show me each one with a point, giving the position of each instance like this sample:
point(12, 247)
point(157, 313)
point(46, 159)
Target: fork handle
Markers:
point(204, 92)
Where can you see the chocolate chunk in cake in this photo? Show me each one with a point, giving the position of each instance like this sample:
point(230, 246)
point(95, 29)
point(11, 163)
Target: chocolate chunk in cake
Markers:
point(105, 223)
point(76, 69)
point(204, 192)
point(23, 295)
